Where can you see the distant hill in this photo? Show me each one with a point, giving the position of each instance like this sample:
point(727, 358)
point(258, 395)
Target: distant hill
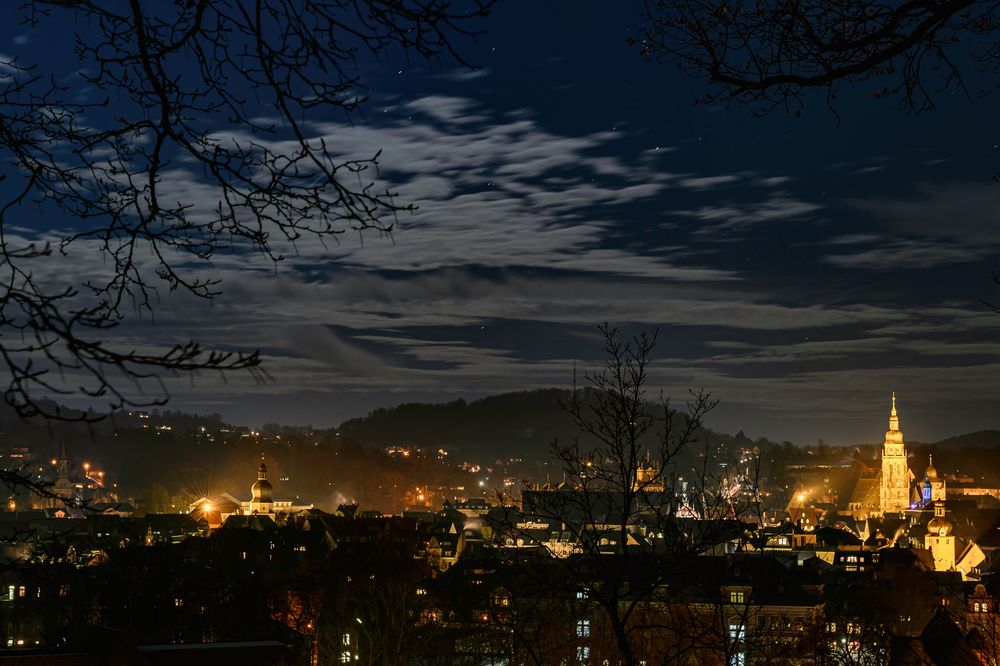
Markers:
point(518, 424)
point(981, 439)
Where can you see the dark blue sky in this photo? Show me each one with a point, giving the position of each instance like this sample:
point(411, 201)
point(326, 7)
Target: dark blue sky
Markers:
point(799, 268)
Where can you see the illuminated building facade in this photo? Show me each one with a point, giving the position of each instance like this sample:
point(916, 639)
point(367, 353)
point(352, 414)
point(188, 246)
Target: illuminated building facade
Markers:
point(894, 484)
point(934, 488)
point(261, 502)
point(260, 492)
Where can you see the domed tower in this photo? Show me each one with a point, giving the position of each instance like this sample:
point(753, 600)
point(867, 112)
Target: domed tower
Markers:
point(894, 489)
point(260, 491)
point(934, 485)
point(939, 525)
point(940, 540)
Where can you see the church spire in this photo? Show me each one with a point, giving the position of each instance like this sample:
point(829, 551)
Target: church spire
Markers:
point(894, 491)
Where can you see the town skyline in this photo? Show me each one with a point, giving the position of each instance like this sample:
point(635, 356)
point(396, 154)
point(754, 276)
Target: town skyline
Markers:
point(500, 333)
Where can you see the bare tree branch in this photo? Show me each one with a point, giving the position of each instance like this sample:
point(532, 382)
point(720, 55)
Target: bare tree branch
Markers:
point(188, 80)
point(771, 54)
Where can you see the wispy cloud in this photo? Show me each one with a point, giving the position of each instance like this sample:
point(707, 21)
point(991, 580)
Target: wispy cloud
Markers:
point(961, 211)
point(895, 254)
point(735, 215)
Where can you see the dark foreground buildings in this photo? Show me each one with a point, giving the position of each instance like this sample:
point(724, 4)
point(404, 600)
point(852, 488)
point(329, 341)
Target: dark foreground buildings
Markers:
point(570, 576)
point(330, 589)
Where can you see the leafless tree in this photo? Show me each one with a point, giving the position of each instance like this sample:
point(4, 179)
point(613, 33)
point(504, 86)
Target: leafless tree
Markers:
point(178, 90)
point(635, 476)
point(773, 53)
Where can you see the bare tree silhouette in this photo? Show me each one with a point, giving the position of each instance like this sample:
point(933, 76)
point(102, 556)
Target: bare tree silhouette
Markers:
point(181, 87)
point(622, 525)
point(770, 54)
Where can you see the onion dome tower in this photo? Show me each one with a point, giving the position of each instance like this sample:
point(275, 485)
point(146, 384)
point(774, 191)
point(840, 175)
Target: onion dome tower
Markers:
point(931, 474)
point(939, 525)
point(934, 489)
point(260, 491)
point(940, 540)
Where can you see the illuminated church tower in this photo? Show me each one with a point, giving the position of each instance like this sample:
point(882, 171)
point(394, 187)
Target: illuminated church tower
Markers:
point(894, 491)
point(647, 476)
point(260, 491)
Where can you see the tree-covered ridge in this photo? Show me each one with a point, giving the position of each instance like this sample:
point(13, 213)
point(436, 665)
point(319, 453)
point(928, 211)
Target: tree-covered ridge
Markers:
point(981, 439)
point(511, 424)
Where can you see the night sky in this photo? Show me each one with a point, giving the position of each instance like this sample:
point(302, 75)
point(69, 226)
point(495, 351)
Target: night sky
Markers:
point(801, 269)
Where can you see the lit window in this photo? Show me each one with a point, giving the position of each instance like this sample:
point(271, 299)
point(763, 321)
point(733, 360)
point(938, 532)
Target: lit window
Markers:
point(178, 602)
point(581, 594)
point(21, 591)
point(583, 653)
point(737, 597)
point(345, 639)
point(977, 607)
point(737, 634)
point(345, 657)
point(582, 628)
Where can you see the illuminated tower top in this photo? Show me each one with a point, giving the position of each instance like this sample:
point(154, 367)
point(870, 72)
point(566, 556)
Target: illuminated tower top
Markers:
point(893, 436)
point(895, 483)
point(260, 491)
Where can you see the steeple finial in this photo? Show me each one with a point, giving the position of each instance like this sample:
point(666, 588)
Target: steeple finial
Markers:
point(893, 417)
